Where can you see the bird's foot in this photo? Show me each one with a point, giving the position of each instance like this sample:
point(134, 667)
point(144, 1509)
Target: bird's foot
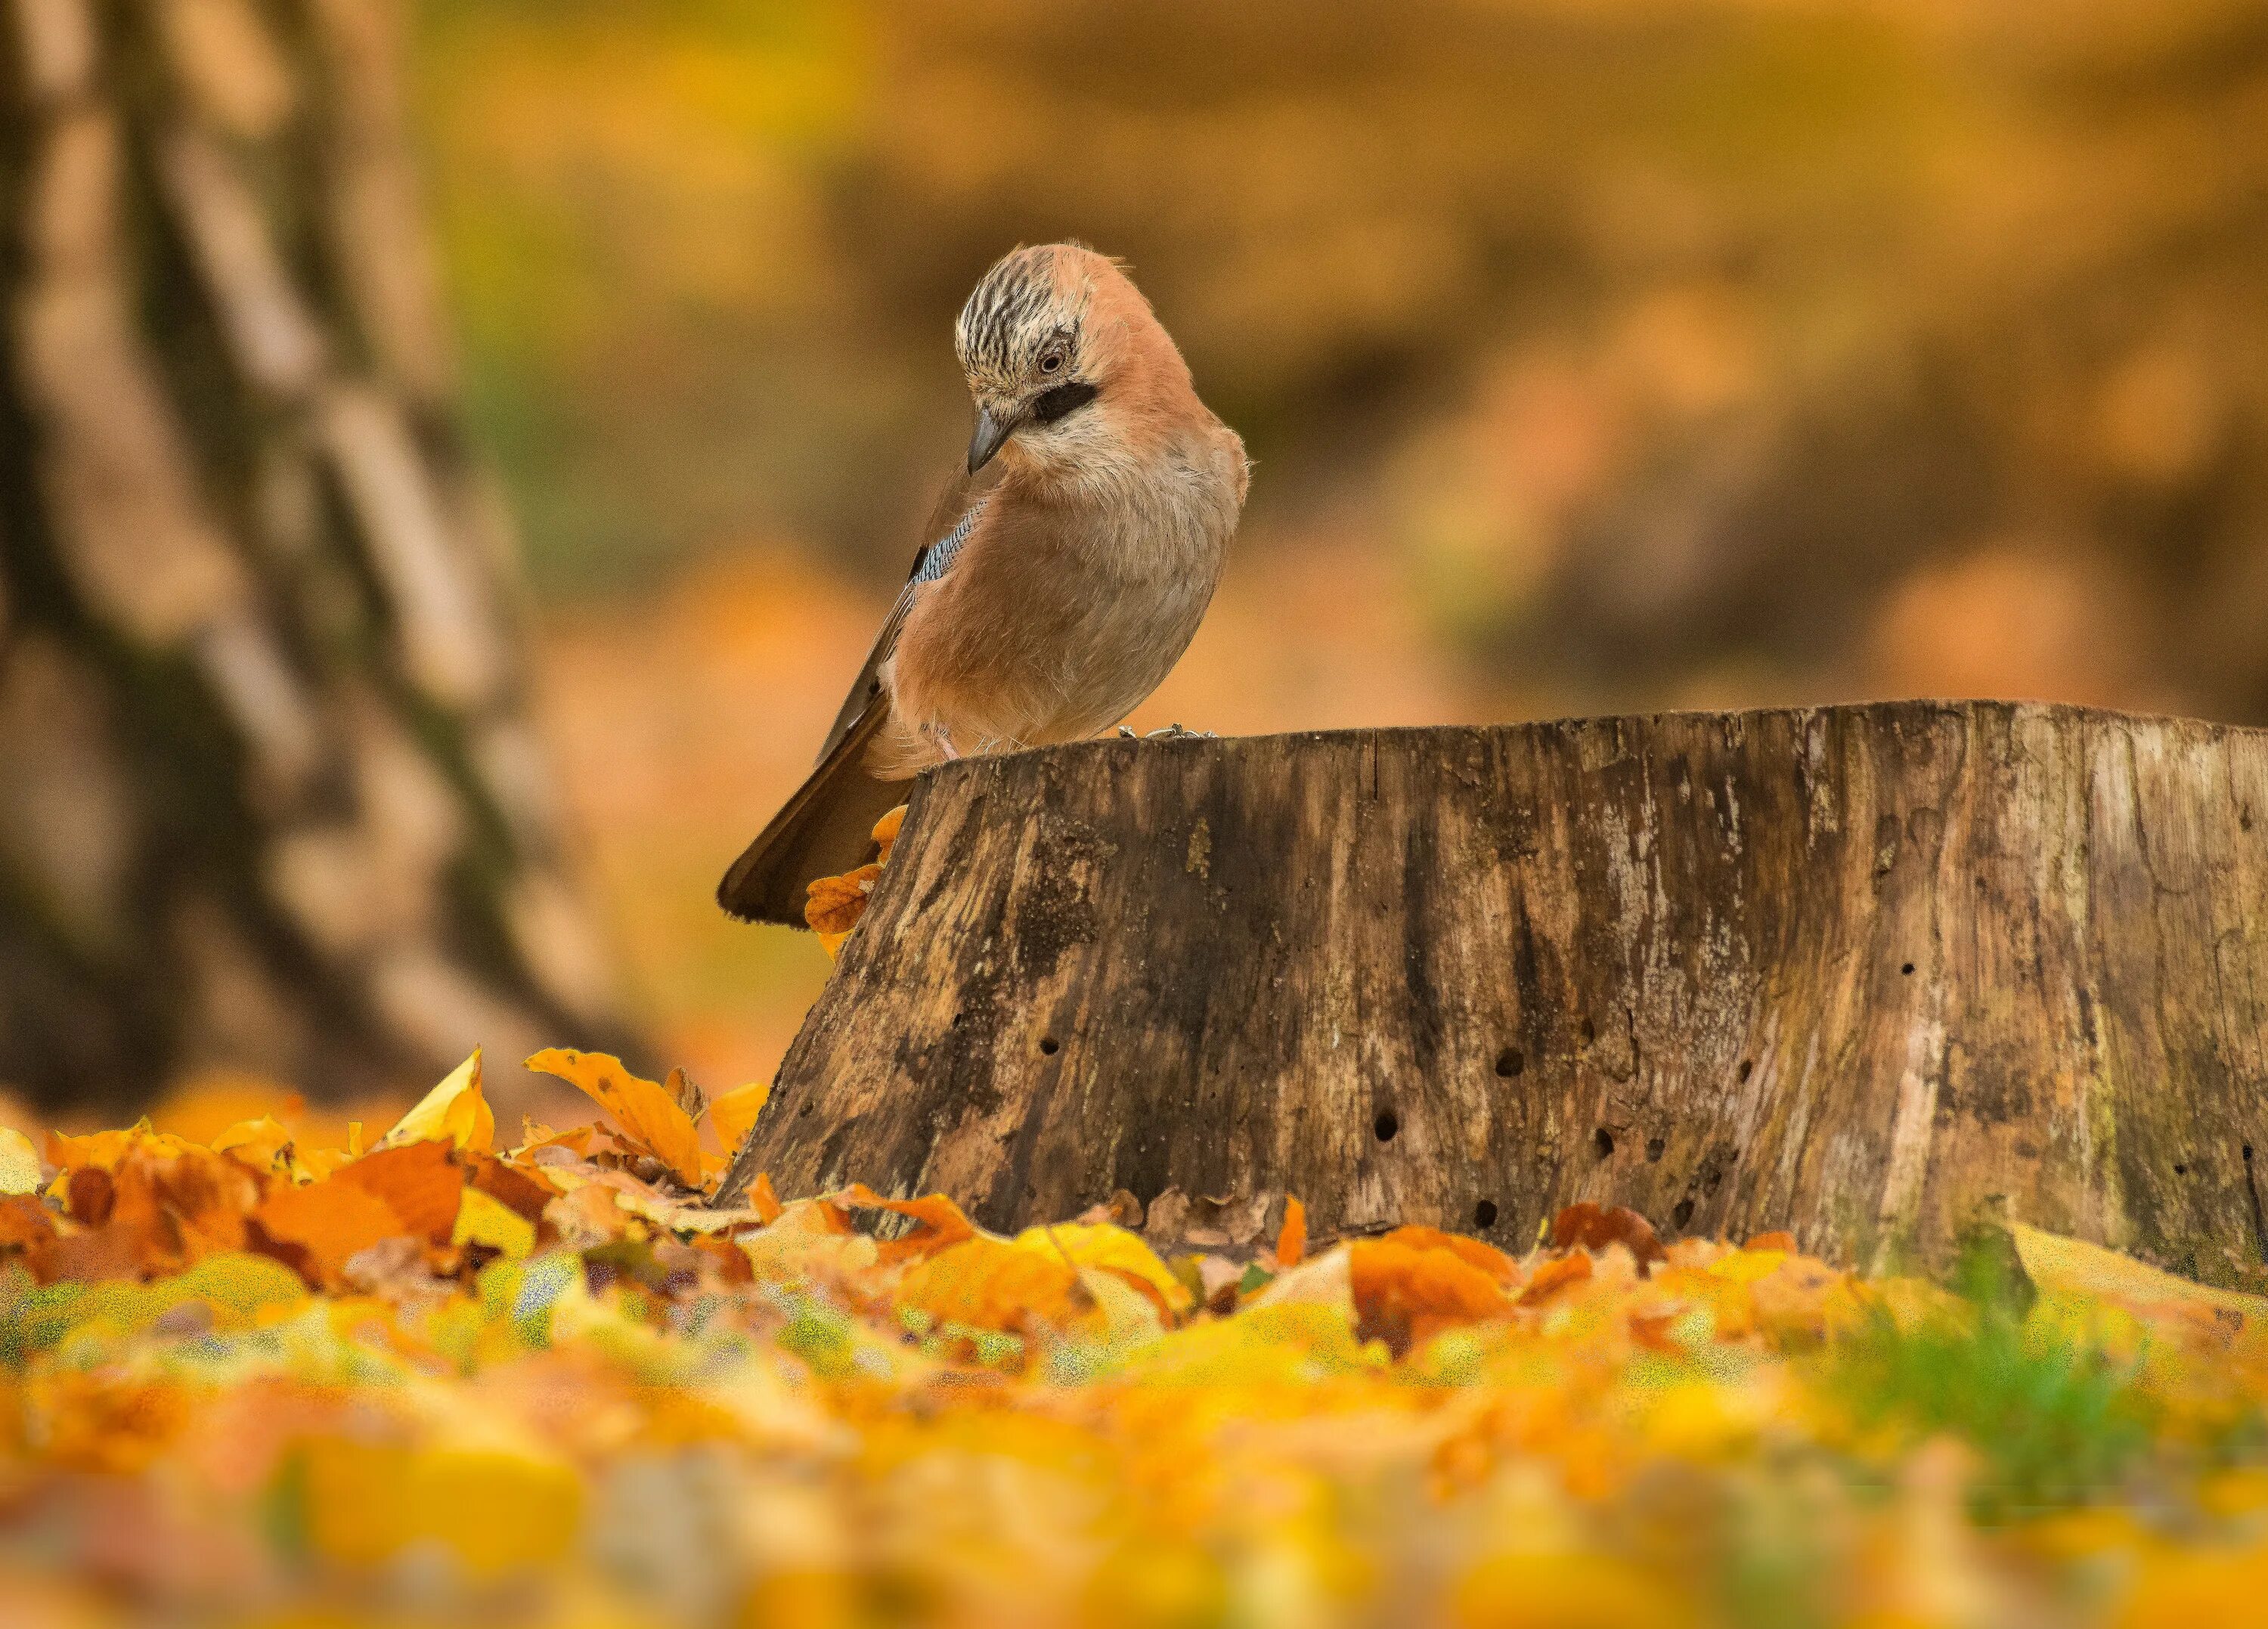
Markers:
point(943, 737)
point(1174, 732)
point(1126, 732)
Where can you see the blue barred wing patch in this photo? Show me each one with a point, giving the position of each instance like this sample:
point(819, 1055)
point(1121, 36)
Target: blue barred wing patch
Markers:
point(937, 559)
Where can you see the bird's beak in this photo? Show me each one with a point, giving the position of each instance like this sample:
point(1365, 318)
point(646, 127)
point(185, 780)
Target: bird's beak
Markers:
point(989, 435)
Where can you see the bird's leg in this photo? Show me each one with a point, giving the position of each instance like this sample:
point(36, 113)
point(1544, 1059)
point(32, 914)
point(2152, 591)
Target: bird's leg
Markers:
point(943, 737)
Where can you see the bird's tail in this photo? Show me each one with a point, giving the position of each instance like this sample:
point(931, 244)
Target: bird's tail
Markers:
point(825, 829)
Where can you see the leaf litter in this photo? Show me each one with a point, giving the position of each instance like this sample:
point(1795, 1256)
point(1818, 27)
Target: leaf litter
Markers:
point(436, 1379)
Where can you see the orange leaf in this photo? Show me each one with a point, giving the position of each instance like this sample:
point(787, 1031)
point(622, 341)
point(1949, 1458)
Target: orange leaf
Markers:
point(645, 1110)
point(1472, 1252)
point(762, 1200)
point(1291, 1241)
point(413, 1190)
point(27, 1227)
point(939, 1222)
point(1593, 1228)
point(316, 1228)
point(418, 1182)
point(1777, 1241)
point(837, 903)
point(1408, 1289)
point(989, 1284)
point(1555, 1275)
point(735, 1113)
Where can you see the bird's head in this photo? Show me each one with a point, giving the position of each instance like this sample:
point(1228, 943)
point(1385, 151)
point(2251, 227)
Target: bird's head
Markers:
point(1051, 337)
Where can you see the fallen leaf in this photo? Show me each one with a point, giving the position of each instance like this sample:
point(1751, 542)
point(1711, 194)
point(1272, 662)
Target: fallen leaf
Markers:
point(1408, 1289)
point(1586, 1226)
point(2060, 1267)
point(646, 1112)
point(837, 903)
point(1555, 1275)
point(455, 1112)
point(986, 1283)
point(734, 1114)
point(482, 1220)
point(19, 1163)
point(1111, 1249)
point(937, 1222)
point(1291, 1240)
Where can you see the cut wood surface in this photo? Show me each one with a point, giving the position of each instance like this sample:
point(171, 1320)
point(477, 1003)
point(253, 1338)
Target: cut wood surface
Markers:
point(1870, 973)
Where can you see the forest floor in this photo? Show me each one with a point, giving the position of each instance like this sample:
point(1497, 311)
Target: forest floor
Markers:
point(448, 1375)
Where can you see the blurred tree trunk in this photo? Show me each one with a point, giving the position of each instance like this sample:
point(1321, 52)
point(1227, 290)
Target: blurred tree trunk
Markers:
point(268, 797)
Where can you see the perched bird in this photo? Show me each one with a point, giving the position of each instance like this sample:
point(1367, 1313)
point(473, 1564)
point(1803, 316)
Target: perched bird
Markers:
point(1066, 570)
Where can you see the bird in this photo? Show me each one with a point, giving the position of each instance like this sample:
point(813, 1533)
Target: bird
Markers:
point(1066, 568)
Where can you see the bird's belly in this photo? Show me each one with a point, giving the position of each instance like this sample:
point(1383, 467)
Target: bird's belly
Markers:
point(1081, 654)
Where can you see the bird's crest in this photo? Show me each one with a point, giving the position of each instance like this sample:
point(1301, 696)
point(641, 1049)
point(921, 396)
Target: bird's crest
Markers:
point(1032, 296)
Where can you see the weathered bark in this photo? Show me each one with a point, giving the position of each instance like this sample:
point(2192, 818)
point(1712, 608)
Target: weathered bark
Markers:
point(270, 797)
point(1870, 973)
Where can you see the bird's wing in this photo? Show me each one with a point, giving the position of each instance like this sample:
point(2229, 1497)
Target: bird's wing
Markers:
point(957, 512)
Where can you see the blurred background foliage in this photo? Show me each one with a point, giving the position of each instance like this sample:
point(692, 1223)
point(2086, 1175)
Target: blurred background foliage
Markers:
point(1594, 354)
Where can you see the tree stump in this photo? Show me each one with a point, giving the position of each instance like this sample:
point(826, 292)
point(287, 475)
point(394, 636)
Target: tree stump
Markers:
point(1870, 973)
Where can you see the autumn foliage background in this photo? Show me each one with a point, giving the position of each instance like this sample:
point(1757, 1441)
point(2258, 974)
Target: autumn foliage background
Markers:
point(1595, 354)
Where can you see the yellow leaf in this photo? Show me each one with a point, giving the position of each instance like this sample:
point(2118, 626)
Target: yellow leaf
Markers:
point(254, 1142)
point(2067, 1269)
point(484, 1220)
point(647, 1114)
point(20, 1162)
point(736, 1111)
point(1105, 1244)
point(454, 1111)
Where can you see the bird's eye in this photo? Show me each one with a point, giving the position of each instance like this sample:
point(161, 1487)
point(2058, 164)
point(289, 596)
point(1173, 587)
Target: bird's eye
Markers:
point(1051, 362)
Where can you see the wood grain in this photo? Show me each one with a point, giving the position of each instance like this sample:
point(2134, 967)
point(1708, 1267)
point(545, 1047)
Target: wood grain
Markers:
point(1871, 973)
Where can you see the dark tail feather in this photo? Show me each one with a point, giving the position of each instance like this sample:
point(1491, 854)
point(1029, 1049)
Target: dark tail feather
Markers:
point(825, 829)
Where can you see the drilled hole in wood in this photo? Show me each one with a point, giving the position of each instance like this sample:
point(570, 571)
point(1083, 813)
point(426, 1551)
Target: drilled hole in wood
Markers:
point(2181, 1170)
point(1748, 1068)
point(1510, 1062)
point(1907, 969)
point(1654, 1147)
point(1484, 1214)
point(1385, 1125)
point(1603, 1140)
point(1048, 1046)
point(1587, 1031)
point(1684, 1213)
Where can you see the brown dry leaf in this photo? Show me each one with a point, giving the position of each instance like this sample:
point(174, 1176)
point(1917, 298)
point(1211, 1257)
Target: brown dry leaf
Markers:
point(835, 903)
point(988, 1284)
point(1408, 1289)
point(1592, 1227)
point(645, 1110)
point(1291, 1239)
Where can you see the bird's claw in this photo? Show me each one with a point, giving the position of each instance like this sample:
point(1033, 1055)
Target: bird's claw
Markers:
point(1126, 732)
point(1174, 732)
